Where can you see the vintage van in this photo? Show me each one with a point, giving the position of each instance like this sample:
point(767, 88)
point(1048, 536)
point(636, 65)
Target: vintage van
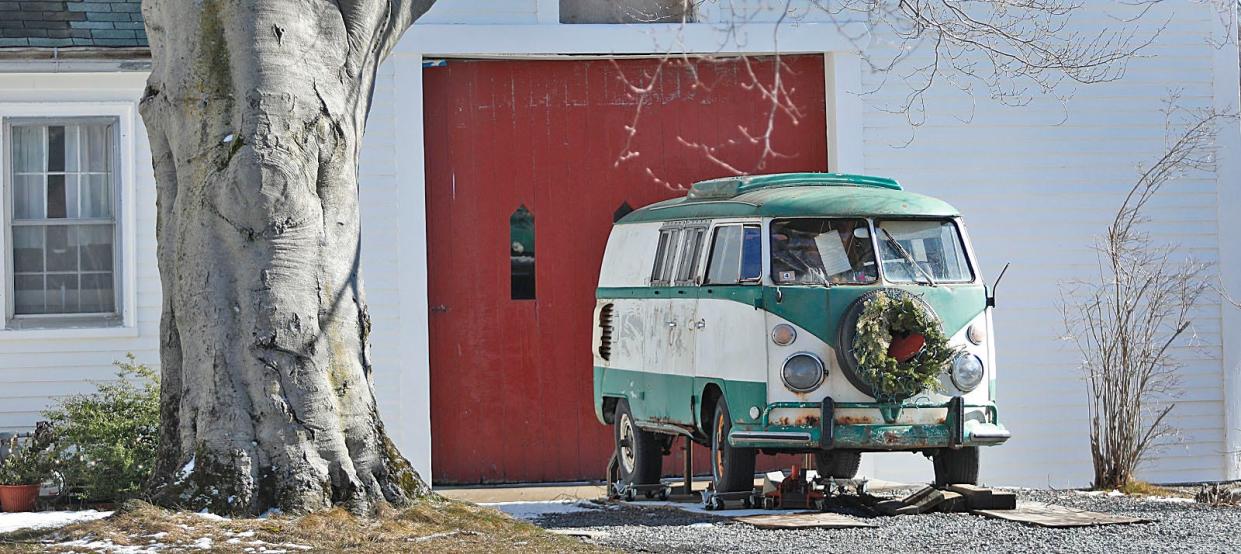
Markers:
point(730, 315)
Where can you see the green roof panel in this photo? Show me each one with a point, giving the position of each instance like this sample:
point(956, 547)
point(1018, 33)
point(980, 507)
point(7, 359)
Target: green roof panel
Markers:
point(794, 194)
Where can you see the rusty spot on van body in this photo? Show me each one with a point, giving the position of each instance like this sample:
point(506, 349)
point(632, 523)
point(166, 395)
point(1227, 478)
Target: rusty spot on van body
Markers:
point(891, 438)
point(806, 421)
point(854, 420)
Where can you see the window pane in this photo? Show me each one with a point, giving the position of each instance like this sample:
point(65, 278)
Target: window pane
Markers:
point(71, 196)
point(808, 251)
point(97, 148)
point(62, 294)
point(96, 196)
point(725, 256)
point(62, 248)
point(98, 294)
point(670, 259)
point(95, 242)
point(521, 254)
point(55, 148)
point(657, 273)
point(28, 197)
point(752, 254)
point(28, 294)
point(55, 196)
point(27, 249)
point(72, 144)
point(27, 149)
point(935, 246)
point(689, 260)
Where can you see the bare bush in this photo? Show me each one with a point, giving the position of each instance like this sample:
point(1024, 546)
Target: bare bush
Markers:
point(1127, 321)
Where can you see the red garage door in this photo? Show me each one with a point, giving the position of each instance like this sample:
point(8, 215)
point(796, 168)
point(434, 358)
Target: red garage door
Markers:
point(527, 164)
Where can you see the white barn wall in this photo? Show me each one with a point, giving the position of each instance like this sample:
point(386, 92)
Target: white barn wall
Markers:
point(1036, 185)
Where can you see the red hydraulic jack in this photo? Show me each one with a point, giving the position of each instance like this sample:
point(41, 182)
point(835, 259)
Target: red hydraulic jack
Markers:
point(792, 492)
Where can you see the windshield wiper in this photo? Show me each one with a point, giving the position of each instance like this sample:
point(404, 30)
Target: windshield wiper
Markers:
point(908, 258)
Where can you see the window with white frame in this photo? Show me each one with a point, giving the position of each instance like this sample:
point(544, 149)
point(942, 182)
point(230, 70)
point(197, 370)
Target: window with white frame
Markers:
point(61, 188)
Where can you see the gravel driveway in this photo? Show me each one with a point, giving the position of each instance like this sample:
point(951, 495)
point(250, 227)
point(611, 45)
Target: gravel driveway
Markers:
point(1179, 527)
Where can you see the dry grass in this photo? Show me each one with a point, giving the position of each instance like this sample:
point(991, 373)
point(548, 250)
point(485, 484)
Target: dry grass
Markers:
point(434, 525)
point(1142, 488)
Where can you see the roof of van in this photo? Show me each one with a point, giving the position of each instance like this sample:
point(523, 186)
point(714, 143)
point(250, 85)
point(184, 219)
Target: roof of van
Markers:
point(794, 194)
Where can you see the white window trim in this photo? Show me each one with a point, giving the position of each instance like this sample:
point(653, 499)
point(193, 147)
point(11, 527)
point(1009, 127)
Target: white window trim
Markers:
point(125, 114)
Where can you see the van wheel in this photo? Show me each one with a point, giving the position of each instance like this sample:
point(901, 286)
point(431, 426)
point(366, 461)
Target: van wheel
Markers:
point(840, 464)
point(638, 451)
point(732, 469)
point(956, 467)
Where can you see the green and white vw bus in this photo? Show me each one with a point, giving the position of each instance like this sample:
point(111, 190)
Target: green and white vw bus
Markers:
point(731, 316)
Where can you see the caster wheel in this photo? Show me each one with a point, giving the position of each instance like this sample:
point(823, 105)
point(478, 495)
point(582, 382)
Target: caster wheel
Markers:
point(663, 495)
point(769, 503)
point(649, 494)
point(718, 503)
point(745, 503)
point(708, 506)
point(629, 495)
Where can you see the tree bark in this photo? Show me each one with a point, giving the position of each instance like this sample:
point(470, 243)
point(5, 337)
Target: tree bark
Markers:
point(255, 111)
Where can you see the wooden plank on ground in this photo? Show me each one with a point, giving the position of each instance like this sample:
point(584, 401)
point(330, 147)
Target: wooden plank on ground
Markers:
point(815, 520)
point(1051, 515)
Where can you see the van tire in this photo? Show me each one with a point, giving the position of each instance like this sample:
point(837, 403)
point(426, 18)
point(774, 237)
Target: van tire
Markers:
point(840, 464)
point(956, 467)
point(639, 456)
point(847, 331)
point(732, 469)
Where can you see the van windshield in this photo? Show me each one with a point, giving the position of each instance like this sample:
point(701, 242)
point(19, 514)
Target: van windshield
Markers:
point(934, 245)
point(816, 251)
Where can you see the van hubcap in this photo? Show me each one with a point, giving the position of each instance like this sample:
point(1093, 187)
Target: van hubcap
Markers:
point(627, 456)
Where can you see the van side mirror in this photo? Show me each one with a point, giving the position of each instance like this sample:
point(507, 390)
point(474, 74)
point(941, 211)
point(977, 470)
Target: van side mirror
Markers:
point(991, 292)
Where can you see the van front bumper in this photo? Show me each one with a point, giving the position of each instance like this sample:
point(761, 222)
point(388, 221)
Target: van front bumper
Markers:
point(964, 425)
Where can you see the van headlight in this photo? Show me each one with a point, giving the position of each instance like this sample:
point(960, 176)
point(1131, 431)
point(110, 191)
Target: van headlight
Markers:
point(966, 371)
point(803, 372)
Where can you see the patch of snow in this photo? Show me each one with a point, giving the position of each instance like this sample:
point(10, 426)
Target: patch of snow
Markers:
point(208, 515)
point(228, 139)
point(111, 547)
point(202, 544)
point(1100, 493)
point(186, 470)
point(531, 511)
point(10, 522)
point(270, 513)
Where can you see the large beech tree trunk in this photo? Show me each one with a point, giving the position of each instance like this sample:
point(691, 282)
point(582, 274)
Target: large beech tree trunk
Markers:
point(255, 111)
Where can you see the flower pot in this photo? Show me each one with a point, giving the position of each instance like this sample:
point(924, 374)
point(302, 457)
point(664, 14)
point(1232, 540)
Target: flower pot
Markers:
point(18, 498)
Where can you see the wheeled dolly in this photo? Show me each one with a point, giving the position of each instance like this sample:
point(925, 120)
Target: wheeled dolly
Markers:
point(712, 500)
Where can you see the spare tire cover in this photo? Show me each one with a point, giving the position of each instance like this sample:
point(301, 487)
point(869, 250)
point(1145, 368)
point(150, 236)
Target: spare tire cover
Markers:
point(847, 331)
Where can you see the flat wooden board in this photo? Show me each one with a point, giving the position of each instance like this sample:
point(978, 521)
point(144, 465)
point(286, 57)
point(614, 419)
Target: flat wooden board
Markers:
point(809, 520)
point(1051, 515)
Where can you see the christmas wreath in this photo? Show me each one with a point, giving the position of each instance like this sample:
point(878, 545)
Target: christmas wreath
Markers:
point(900, 347)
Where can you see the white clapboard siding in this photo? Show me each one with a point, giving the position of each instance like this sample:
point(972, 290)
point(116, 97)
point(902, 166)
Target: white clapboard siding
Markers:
point(1036, 184)
point(35, 371)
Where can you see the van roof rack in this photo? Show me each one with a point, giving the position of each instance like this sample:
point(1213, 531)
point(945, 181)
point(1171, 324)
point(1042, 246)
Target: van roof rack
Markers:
point(729, 187)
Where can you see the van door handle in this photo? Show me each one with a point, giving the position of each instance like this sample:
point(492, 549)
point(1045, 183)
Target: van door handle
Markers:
point(671, 324)
point(700, 324)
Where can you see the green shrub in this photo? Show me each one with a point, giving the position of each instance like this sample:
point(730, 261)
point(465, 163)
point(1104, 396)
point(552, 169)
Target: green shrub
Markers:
point(106, 441)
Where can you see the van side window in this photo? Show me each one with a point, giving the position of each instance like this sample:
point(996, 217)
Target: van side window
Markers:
point(752, 253)
point(736, 255)
point(687, 272)
point(657, 272)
